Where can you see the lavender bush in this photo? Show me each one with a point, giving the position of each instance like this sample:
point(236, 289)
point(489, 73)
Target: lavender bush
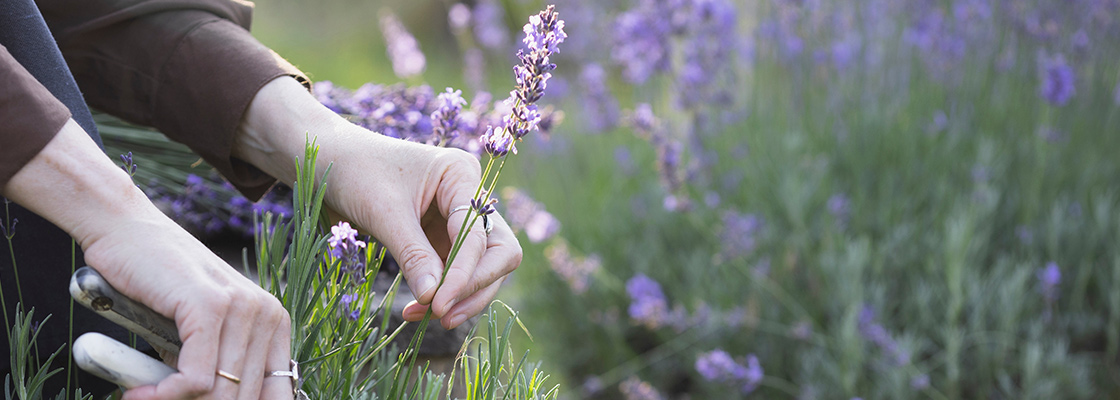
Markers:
point(806, 199)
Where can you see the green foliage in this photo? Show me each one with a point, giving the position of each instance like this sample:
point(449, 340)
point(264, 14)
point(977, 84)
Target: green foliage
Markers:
point(946, 233)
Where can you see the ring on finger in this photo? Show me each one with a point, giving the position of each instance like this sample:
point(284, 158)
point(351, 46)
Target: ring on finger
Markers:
point(463, 207)
point(293, 374)
point(232, 378)
point(486, 224)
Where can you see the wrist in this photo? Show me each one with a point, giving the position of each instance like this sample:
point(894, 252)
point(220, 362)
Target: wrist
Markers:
point(281, 118)
point(71, 183)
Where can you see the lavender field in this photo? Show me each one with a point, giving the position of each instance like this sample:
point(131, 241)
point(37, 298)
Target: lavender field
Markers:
point(801, 199)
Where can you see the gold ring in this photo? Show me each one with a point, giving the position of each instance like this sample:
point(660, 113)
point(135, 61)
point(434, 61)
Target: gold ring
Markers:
point(233, 378)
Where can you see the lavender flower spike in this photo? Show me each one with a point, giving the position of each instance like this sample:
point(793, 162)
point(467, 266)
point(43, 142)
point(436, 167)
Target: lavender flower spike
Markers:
point(445, 119)
point(543, 35)
point(1057, 85)
point(404, 51)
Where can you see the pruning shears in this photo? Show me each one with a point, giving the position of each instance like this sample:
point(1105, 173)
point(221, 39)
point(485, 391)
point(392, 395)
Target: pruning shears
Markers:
point(114, 361)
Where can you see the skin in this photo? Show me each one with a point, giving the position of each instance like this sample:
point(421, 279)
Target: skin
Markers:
point(399, 192)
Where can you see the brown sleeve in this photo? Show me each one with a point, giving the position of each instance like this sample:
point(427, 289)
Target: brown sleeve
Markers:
point(31, 116)
point(187, 68)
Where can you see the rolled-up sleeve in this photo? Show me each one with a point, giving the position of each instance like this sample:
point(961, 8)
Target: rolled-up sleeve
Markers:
point(31, 116)
point(187, 68)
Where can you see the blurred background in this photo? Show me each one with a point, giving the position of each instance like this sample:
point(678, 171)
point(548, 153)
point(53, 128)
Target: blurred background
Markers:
point(804, 199)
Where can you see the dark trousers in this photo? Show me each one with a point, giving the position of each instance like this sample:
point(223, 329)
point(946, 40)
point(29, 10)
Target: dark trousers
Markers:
point(43, 253)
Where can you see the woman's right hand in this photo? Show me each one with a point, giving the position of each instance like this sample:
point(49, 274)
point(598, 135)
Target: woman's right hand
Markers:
point(225, 321)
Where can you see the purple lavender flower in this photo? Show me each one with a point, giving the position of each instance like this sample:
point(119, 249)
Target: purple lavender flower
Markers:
point(600, 107)
point(345, 246)
point(840, 207)
point(636, 389)
point(919, 382)
point(624, 160)
point(404, 50)
point(1057, 80)
point(802, 331)
point(350, 313)
point(1049, 278)
point(496, 143)
point(129, 165)
point(525, 214)
point(739, 234)
point(9, 230)
point(489, 25)
point(875, 333)
point(1116, 94)
point(543, 35)
point(459, 16)
point(641, 41)
point(718, 366)
point(1025, 235)
point(753, 375)
point(647, 302)
point(445, 119)
point(575, 271)
point(1080, 40)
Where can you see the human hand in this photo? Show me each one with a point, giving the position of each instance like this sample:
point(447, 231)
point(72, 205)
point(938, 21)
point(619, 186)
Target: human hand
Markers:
point(224, 320)
point(400, 192)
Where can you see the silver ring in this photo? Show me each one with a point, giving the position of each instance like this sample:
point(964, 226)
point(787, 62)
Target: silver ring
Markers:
point(486, 224)
point(232, 378)
point(463, 207)
point(293, 375)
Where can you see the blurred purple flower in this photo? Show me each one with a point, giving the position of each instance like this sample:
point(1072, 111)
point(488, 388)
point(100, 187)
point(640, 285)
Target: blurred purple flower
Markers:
point(636, 389)
point(875, 333)
point(525, 214)
point(709, 40)
point(802, 331)
point(404, 50)
point(600, 107)
point(739, 234)
point(1025, 235)
point(840, 207)
point(1116, 94)
point(711, 199)
point(647, 302)
point(1080, 40)
point(624, 160)
point(718, 366)
point(1049, 277)
point(490, 27)
point(641, 41)
point(592, 385)
point(1057, 80)
point(575, 271)
point(459, 16)
point(919, 382)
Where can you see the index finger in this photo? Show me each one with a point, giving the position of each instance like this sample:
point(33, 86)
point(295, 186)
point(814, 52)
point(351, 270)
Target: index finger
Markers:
point(200, 328)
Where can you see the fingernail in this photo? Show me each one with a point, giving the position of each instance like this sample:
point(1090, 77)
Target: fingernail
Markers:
point(450, 304)
point(456, 321)
point(426, 284)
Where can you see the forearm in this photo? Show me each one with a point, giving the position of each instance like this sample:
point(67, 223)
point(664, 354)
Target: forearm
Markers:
point(278, 122)
point(72, 184)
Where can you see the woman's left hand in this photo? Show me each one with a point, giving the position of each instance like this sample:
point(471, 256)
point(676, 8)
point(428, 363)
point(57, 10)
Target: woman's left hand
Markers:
point(400, 192)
